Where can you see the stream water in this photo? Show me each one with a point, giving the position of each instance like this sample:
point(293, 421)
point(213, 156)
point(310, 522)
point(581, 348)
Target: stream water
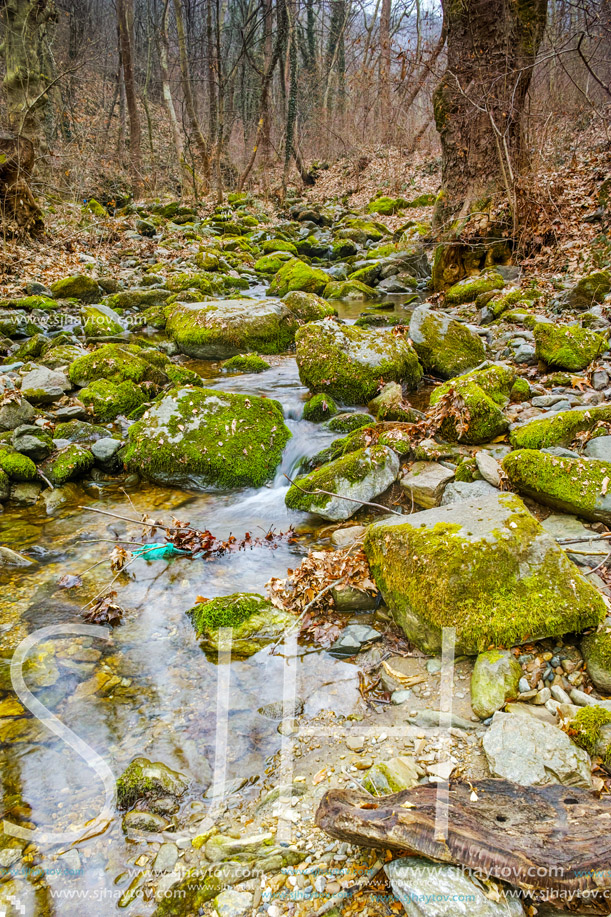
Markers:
point(150, 690)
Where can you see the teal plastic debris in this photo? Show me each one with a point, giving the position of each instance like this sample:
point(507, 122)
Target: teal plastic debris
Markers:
point(158, 551)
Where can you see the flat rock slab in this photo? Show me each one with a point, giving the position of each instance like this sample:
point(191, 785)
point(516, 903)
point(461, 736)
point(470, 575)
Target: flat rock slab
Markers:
point(534, 837)
point(426, 482)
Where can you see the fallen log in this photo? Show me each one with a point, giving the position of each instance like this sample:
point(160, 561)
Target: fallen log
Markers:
point(538, 838)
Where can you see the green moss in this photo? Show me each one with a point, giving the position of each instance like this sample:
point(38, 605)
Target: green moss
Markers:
point(308, 307)
point(351, 468)
point(386, 205)
point(30, 349)
point(108, 400)
point(142, 778)
point(271, 264)
point(347, 423)
point(79, 286)
point(481, 419)
point(367, 275)
point(97, 323)
point(180, 375)
point(520, 317)
point(254, 622)
point(234, 327)
point(277, 245)
point(495, 381)
point(493, 593)
point(423, 200)
point(589, 290)
point(584, 728)
point(185, 281)
point(115, 363)
point(560, 429)
point(520, 390)
point(95, 208)
point(245, 363)
point(138, 299)
point(297, 275)
point(353, 290)
point(29, 303)
point(319, 407)
point(155, 317)
point(567, 346)
point(78, 431)
point(61, 356)
point(71, 463)
point(364, 229)
point(497, 305)
point(445, 347)
point(343, 248)
point(596, 649)
point(18, 467)
point(573, 485)
point(467, 471)
point(226, 611)
point(469, 289)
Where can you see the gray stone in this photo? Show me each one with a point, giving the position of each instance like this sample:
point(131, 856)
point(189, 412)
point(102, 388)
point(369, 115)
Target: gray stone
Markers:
point(401, 696)
point(489, 468)
point(427, 889)
point(341, 538)
point(534, 753)
point(353, 638)
point(231, 903)
point(599, 379)
point(43, 385)
point(9, 558)
point(525, 354)
point(599, 448)
point(26, 493)
point(563, 525)
point(15, 413)
point(459, 491)
point(31, 441)
point(495, 679)
point(137, 820)
point(426, 482)
point(166, 858)
point(105, 450)
point(349, 598)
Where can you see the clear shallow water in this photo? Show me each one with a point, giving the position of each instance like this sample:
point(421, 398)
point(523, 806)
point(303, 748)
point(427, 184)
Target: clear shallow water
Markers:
point(151, 691)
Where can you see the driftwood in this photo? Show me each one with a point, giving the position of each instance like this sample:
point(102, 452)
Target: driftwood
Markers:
point(19, 212)
point(538, 838)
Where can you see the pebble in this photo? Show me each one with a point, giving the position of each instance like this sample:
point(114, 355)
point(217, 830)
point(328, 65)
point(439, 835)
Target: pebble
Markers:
point(355, 743)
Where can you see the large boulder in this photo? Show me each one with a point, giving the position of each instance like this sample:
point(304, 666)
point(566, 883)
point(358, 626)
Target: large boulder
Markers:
point(116, 363)
point(254, 621)
point(560, 429)
point(470, 288)
point(530, 752)
point(445, 347)
point(349, 363)
point(200, 437)
point(573, 485)
point(227, 327)
point(476, 417)
point(79, 286)
point(360, 476)
point(297, 275)
point(567, 346)
point(42, 385)
point(485, 567)
point(308, 307)
point(588, 291)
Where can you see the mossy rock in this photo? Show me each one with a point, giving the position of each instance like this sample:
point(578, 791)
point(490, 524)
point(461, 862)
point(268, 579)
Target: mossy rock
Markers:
point(386, 205)
point(201, 437)
point(79, 431)
point(18, 467)
point(101, 321)
point(255, 622)
point(207, 260)
point(349, 290)
point(470, 288)
point(79, 286)
point(68, 465)
point(230, 327)
point(312, 247)
point(349, 422)
point(588, 291)
point(203, 283)
point(494, 681)
point(271, 264)
point(308, 307)
point(30, 349)
point(486, 567)
point(269, 246)
point(495, 380)
point(319, 407)
point(115, 363)
point(362, 230)
point(361, 476)
point(567, 346)
point(480, 420)
point(349, 363)
point(391, 776)
point(31, 303)
point(64, 355)
point(297, 275)
point(390, 405)
point(574, 485)
point(109, 400)
point(590, 729)
point(94, 208)
point(520, 391)
point(144, 779)
point(245, 363)
point(180, 375)
point(369, 274)
point(560, 429)
point(139, 299)
point(596, 650)
point(445, 347)
point(343, 248)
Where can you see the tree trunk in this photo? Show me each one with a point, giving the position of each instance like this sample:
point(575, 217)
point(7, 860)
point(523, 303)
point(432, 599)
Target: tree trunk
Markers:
point(385, 56)
point(19, 212)
point(125, 17)
point(187, 91)
point(166, 89)
point(491, 46)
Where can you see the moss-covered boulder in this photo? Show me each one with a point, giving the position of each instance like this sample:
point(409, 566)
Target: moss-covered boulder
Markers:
point(199, 437)
point(494, 681)
point(486, 567)
point(445, 347)
point(144, 779)
point(308, 307)
point(42, 385)
point(277, 245)
point(596, 649)
point(391, 405)
point(589, 290)
point(139, 299)
point(574, 485)
point(79, 286)
point(18, 467)
point(228, 327)
point(362, 230)
point(255, 622)
point(590, 729)
point(319, 407)
point(349, 363)
point(470, 288)
point(476, 418)
point(61, 356)
point(560, 429)
point(495, 380)
point(271, 264)
point(79, 431)
point(361, 476)
point(101, 321)
point(108, 400)
point(68, 465)
point(386, 205)
point(348, 422)
point(116, 363)
point(297, 275)
point(568, 346)
point(350, 290)
point(245, 363)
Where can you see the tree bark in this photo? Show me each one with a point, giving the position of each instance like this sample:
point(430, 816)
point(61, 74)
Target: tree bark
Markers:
point(492, 46)
point(187, 91)
point(385, 57)
point(125, 17)
point(166, 88)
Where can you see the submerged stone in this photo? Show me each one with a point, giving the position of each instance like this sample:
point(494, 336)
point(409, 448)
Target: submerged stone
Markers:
point(144, 779)
point(485, 567)
point(253, 620)
point(200, 437)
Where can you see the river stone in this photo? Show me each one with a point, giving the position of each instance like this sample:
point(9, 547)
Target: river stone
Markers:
point(533, 753)
point(558, 429)
point(10, 558)
point(32, 441)
point(101, 321)
point(233, 904)
point(361, 476)
point(427, 889)
point(224, 328)
point(137, 820)
point(391, 776)
point(43, 385)
point(599, 448)
point(562, 525)
point(352, 639)
point(458, 491)
point(348, 362)
point(220, 847)
point(253, 620)
point(166, 858)
point(148, 779)
point(426, 482)
point(14, 414)
point(445, 347)
point(486, 567)
point(105, 450)
point(488, 467)
point(567, 346)
point(574, 485)
point(198, 437)
point(596, 649)
point(494, 681)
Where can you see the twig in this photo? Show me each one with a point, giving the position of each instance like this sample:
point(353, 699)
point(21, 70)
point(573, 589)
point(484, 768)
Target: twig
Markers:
point(340, 898)
point(584, 538)
point(46, 480)
point(104, 512)
point(329, 493)
point(601, 564)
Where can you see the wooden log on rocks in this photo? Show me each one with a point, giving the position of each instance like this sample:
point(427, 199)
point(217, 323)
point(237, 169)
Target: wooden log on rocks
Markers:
point(538, 838)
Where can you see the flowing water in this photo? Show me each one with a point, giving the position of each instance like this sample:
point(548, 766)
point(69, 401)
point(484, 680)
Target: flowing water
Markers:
point(150, 690)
